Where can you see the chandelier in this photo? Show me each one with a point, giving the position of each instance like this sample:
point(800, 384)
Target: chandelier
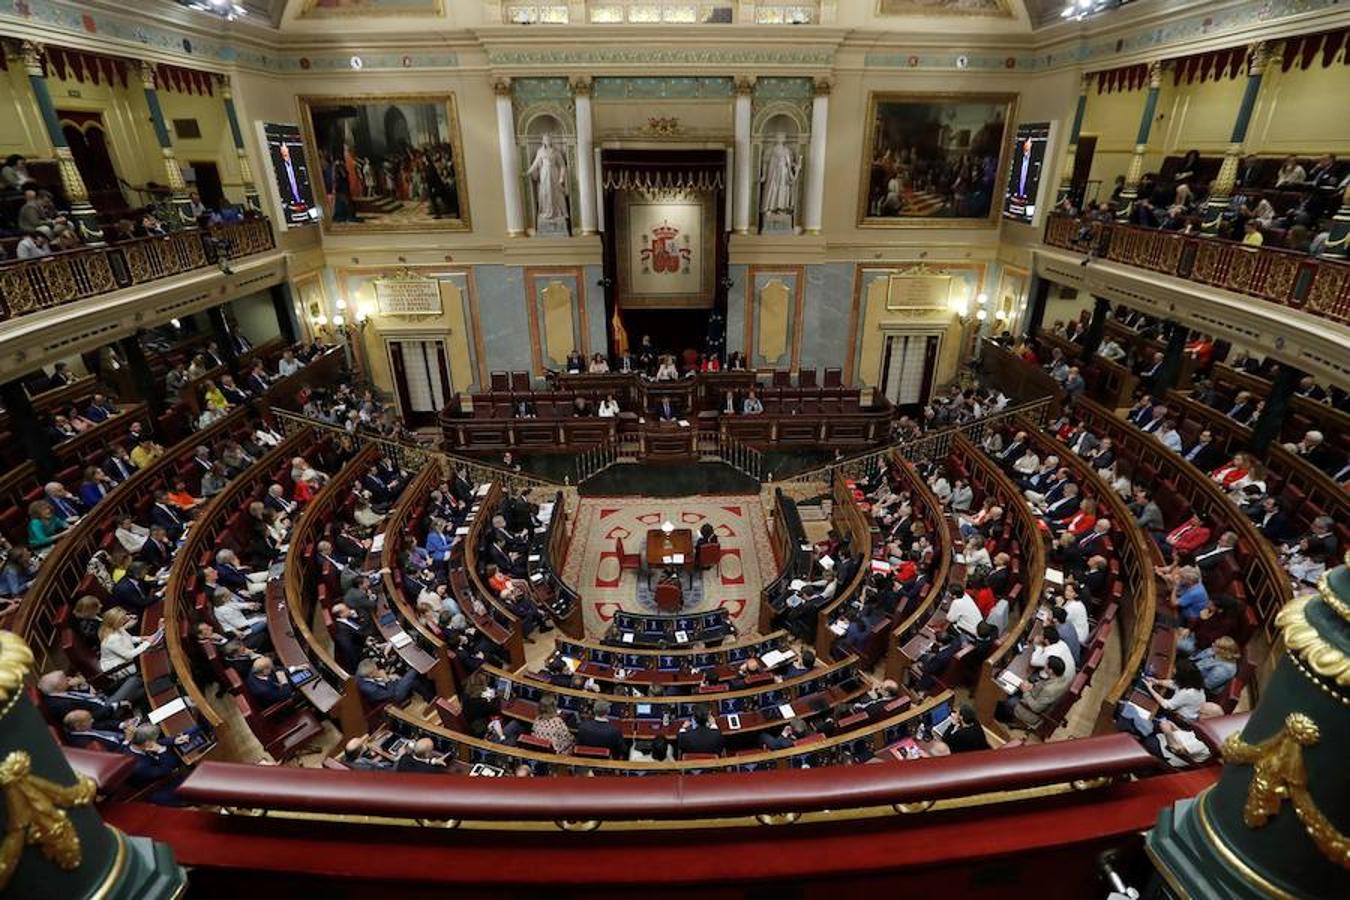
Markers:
point(226, 9)
point(1078, 10)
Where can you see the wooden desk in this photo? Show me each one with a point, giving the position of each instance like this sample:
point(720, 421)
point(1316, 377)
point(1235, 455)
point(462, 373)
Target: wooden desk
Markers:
point(680, 541)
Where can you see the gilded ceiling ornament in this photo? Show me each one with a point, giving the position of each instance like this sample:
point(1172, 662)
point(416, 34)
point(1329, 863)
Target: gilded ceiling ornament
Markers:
point(35, 811)
point(1280, 775)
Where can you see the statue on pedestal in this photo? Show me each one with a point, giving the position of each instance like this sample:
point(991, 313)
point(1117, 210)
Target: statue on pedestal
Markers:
point(549, 172)
point(778, 186)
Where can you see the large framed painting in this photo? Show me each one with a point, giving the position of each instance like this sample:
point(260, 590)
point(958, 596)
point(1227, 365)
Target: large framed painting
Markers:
point(388, 162)
point(934, 160)
point(665, 249)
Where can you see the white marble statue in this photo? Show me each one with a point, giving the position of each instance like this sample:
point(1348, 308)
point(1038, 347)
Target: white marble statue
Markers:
point(778, 178)
point(549, 171)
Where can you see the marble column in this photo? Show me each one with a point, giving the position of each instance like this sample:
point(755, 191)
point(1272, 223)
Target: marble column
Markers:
point(172, 174)
point(1258, 56)
point(506, 143)
point(1136, 170)
point(1066, 177)
point(1101, 311)
point(581, 94)
point(82, 212)
point(1270, 423)
point(741, 219)
point(814, 202)
point(245, 170)
point(1174, 352)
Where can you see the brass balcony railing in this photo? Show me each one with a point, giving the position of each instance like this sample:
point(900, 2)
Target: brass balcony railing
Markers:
point(1317, 285)
point(32, 284)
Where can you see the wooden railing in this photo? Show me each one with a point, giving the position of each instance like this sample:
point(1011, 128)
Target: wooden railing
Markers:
point(851, 522)
point(396, 537)
point(1316, 285)
point(928, 509)
point(934, 444)
point(66, 565)
point(34, 284)
point(514, 645)
point(1265, 584)
point(1136, 556)
point(1026, 532)
point(176, 610)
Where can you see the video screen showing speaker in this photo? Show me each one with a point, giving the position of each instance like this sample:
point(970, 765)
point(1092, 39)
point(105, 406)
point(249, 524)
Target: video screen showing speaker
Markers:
point(290, 173)
point(1024, 177)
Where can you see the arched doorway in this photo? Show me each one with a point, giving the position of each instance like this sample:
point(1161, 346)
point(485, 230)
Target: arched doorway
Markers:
point(88, 142)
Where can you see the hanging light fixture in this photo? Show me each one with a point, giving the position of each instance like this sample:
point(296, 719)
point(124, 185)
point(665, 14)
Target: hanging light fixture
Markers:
point(1078, 10)
point(226, 9)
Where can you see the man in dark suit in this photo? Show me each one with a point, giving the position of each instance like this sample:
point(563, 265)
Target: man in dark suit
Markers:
point(162, 513)
point(1271, 520)
point(1097, 578)
point(422, 759)
point(936, 660)
point(1214, 555)
point(80, 731)
point(1142, 412)
point(349, 636)
point(1204, 454)
point(157, 551)
point(119, 466)
point(967, 734)
point(62, 695)
point(1242, 408)
point(701, 736)
point(1148, 373)
point(376, 686)
point(132, 591)
point(1014, 450)
point(231, 391)
point(265, 685)
point(1097, 541)
point(1065, 506)
point(999, 577)
point(599, 731)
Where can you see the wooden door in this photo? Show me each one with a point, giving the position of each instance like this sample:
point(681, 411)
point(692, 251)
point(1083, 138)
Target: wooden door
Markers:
point(421, 379)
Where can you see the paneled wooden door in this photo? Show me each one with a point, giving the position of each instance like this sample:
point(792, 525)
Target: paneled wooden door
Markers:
point(421, 379)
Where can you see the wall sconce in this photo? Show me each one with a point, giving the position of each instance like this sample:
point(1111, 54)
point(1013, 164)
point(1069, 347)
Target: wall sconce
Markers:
point(960, 306)
point(981, 314)
point(338, 320)
point(322, 320)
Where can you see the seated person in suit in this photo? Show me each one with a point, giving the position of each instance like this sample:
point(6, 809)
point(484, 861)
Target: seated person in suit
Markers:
point(1032, 700)
point(700, 735)
point(265, 685)
point(80, 731)
point(706, 535)
point(377, 686)
point(792, 732)
point(157, 762)
point(599, 731)
point(421, 758)
point(967, 734)
point(63, 694)
point(935, 661)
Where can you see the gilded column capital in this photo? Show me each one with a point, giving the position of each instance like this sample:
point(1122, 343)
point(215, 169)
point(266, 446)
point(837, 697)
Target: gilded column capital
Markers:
point(1258, 57)
point(821, 87)
point(745, 84)
point(1085, 83)
point(31, 51)
point(226, 87)
point(501, 87)
point(147, 72)
point(581, 85)
point(1155, 73)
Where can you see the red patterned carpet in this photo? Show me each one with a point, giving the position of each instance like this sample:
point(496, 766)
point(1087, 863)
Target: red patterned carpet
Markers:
point(601, 523)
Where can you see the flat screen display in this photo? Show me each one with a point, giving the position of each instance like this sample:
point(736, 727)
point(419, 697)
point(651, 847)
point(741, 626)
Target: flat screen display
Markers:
point(1024, 176)
point(290, 174)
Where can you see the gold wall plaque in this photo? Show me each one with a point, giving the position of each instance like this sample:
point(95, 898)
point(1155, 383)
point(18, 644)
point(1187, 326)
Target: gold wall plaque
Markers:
point(915, 291)
point(408, 296)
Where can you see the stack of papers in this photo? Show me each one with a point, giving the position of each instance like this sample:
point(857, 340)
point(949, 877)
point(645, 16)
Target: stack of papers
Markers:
point(377, 543)
point(786, 711)
point(1054, 576)
point(400, 640)
point(1009, 681)
point(775, 658)
point(681, 637)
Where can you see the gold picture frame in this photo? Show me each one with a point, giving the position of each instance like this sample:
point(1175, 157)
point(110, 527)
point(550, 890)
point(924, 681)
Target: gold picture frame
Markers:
point(380, 222)
point(407, 9)
point(869, 204)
